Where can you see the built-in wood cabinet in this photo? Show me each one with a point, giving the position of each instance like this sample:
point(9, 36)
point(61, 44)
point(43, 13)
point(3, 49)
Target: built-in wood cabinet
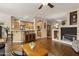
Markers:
point(29, 36)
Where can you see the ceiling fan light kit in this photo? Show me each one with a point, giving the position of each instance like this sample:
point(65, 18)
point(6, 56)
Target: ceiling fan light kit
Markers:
point(48, 4)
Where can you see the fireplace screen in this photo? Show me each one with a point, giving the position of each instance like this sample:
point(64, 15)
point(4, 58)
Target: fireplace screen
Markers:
point(69, 33)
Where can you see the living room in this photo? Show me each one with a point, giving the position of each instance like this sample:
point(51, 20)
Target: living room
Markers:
point(27, 29)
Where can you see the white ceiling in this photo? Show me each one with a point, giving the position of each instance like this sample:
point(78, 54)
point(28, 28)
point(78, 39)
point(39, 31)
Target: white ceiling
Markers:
point(31, 9)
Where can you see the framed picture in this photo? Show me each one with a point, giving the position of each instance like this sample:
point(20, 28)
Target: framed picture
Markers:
point(73, 18)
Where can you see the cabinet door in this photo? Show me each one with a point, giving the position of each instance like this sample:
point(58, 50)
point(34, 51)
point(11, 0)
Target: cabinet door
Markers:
point(34, 37)
point(26, 38)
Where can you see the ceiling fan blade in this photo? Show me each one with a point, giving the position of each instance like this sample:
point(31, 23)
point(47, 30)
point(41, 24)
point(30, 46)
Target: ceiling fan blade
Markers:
point(50, 5)
point(40, 6)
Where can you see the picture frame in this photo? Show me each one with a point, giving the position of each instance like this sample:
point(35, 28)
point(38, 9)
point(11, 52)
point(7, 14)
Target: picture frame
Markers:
point(73, 18)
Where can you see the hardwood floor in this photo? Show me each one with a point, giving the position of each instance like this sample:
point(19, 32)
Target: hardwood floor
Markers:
point(55, 48)
point(60, 49)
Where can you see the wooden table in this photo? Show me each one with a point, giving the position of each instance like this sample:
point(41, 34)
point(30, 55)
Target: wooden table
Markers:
point(37, 51)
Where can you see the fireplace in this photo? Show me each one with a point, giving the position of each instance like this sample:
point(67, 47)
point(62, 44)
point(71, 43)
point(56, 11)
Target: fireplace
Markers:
point(68, 33)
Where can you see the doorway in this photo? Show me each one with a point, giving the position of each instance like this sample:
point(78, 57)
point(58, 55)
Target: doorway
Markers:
point(49, 31)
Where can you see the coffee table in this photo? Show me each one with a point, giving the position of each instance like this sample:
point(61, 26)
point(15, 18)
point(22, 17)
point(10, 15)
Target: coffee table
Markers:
point(36, 51)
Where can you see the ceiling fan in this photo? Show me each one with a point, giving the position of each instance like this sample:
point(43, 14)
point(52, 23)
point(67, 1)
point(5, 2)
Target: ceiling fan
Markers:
point(48, 4)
